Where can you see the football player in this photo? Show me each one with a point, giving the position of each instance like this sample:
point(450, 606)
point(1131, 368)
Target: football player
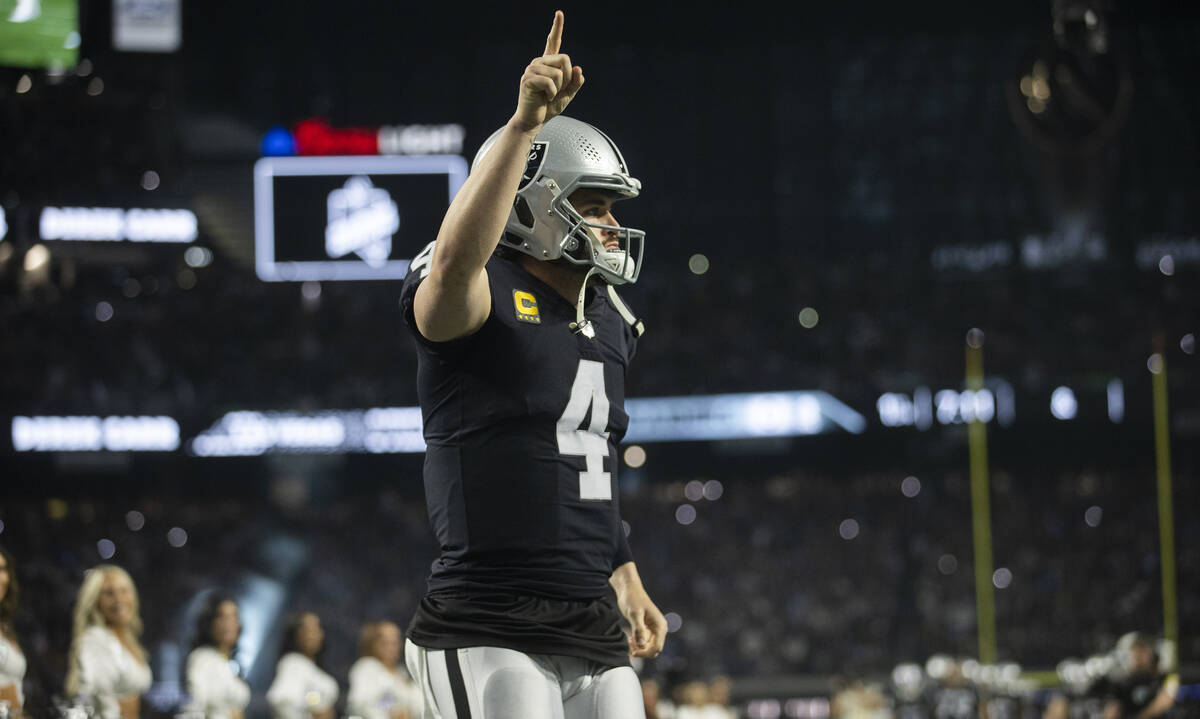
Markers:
point(523, 346)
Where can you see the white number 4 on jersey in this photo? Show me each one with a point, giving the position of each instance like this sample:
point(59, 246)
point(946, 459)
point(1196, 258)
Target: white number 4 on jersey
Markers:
point(592, 442)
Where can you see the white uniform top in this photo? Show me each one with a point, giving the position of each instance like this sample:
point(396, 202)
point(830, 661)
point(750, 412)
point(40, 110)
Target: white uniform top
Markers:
point(108, 672)
point(376, 691)
point(300, 687)
point(12, 666)
point(716, 711)
point(708, 711)
point(215, 690)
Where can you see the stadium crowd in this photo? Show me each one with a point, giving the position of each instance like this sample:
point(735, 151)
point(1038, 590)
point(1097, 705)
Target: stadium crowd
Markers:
point(799, 573)
point(129, 341)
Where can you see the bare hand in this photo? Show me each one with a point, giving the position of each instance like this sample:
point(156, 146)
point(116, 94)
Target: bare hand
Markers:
point(549, 83)
point(648, 627)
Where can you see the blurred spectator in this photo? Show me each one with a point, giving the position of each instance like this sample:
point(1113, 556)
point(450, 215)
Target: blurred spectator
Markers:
point(952, 695)
point(301, 688)
point(214, 688)
point(109, 669)
point(12, 660)
point(691, 699)
point(718, 706)
point(657, 706)
point(1142, 689)
point(380, 688)
point(859, 700)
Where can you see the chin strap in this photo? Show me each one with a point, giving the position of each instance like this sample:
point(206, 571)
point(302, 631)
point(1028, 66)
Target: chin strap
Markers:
point(583, 326)
point(639, 327)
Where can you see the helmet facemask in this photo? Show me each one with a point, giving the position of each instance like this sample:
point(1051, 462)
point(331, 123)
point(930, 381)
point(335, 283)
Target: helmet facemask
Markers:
point(570, 155)
point(584, 244)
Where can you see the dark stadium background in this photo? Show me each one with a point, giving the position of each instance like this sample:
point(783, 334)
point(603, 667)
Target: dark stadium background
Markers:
point(876, 162)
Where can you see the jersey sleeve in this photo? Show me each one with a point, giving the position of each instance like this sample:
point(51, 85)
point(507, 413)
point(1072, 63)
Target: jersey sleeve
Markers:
point(418, 270)
point(624, 554)
point(631, 341)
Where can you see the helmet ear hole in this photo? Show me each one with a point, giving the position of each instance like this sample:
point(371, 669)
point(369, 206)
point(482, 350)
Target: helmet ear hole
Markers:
point(524, 214)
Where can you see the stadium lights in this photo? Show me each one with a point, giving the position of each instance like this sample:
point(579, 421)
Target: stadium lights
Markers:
point(948, 406)
point(36, 257)
point(1063, 404)
point(1116, 400)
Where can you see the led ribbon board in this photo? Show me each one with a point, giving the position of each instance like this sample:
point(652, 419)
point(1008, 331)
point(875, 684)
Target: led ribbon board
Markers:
point(95, 434)
point(114, 224)
point(398, 430)
point(738, 416)
point(348, 218)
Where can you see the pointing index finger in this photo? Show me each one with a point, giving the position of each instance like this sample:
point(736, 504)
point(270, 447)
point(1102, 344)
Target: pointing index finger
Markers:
point(554, 39)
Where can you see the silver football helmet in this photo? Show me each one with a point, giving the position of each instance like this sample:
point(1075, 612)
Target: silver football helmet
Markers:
point(567, 155)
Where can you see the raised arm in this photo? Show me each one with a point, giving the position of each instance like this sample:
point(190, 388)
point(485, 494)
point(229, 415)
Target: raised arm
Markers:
point(453, 301)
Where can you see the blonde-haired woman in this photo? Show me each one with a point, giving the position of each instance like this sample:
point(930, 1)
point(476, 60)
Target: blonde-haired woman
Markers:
point(379, 688)
point(108, 668)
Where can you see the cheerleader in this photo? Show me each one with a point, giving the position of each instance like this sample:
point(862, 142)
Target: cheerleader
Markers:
point(216, 690)
point(379, 688)
point(12, 661)
point(302, 689)
point(108, 668)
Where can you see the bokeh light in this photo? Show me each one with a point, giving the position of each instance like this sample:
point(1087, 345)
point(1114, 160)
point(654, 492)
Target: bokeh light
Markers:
point(177, 537)
point(635, 456)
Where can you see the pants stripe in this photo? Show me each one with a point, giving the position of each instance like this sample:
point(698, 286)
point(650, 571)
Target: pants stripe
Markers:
point(458, 687)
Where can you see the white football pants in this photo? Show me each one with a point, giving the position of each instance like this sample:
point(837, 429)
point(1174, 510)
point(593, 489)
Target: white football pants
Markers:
point(496, 683)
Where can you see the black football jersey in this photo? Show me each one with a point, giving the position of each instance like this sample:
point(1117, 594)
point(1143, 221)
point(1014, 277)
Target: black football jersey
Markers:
point(1005, 706)
point(955, 702)
point(522, 420)
point(1136, 692)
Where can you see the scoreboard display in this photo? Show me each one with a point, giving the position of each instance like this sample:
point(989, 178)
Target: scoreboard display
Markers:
point(348, 218)
point(39, 33)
